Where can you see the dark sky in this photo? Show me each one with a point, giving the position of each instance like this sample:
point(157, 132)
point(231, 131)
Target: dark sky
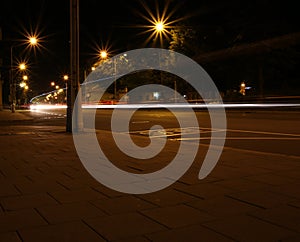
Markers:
point(114, 23)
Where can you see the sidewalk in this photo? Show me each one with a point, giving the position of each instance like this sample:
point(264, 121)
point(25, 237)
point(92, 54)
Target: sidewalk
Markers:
point(47, 195)
point(7, 115)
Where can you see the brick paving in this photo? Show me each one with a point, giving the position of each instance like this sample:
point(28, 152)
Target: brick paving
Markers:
point(47, 195)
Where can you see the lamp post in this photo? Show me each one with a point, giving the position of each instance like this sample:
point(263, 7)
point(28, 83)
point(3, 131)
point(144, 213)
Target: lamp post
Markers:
point(32, 41)
point(66, 78)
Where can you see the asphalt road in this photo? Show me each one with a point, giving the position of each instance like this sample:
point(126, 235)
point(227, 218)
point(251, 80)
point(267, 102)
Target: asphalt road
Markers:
point(256, 130)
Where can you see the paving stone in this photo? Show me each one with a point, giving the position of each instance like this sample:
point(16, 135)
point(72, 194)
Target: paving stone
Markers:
point(291, 190)
point(11, 221)
point(66, 232)
point(242, 185)
point(167, 197)
point(26, 201)
point(261, 198)
point(123, 226)
point(7, 169)
point(293, 173)
point(41, 186)
point(222, 206)
point(177, 216)
point(274, 163)
point(249, 198)
point(123, 204)
point(271, 179)
point(107, 191)
point(246, 228)
point(227, 172)
point(77, 195)
point(69, 212)
point(294, 203)
point(193, 233)
point(292, 239)
point(73, 184)
point(284, 216)
point(203, 190)
point(134, 239)
point(8, 189)
point(10, 237)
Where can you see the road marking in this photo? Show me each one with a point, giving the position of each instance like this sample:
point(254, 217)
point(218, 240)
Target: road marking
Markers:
point(262, 132)
point(141, 122)
point(238, 138)
point(173, 132)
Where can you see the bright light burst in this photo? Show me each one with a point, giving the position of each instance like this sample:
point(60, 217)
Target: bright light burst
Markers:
point(103, 54)
point(34, 40)
point(160, 22)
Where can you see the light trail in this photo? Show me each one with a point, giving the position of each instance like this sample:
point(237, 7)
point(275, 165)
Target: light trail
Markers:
point(157, 106)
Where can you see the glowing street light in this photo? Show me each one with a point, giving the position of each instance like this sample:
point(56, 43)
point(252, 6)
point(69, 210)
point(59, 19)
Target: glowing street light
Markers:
point(243, 88)
point(159, 22)
point(66, 77)
point(22, 84)
point(22, 66)
point(25, 77)
point(52, 84)
point(33, 40)
point(159, 26)
point(103, 54)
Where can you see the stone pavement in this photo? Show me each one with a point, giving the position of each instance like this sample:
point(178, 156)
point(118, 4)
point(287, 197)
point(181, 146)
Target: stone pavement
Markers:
point(47, 195)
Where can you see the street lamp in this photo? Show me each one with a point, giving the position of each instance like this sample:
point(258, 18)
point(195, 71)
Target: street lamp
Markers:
point(159, 26)
point(22, 66)
point(243, 88)
point(32, 41)
point(66, 78)
point(103, 54)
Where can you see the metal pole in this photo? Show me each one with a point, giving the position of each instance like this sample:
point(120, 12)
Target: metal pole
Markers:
point(73, 84)
point(1, 82)
point(115, 82)
point(12, 85)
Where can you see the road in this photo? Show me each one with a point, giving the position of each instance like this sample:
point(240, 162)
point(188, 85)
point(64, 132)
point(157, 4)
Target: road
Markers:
point(254, 130)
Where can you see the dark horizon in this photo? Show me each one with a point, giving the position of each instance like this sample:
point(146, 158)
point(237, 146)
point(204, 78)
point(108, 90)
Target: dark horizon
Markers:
point(117, 25)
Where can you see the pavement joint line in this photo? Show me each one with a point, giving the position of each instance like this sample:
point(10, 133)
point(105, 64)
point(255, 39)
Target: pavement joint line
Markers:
point(246, 202)
point(19, 235)
point(270, 222)
point(254, 152)
point(94, 189)
point(102, 236)
point(152, 219)
point(59, 183)
point(48, 193)
point(148, 201)
point(38, 212)
point(190, 194)
point(218, 232)
point(293, 206)
point(15, 186)
point(98, 208)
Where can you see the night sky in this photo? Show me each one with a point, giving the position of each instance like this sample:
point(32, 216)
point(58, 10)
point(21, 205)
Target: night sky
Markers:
point(117, 25)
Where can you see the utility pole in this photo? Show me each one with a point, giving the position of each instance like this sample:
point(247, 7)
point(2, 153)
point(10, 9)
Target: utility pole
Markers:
point(73, 84)
point(1, 82)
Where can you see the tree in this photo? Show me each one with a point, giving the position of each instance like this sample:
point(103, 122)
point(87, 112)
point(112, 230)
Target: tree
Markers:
point(183, 40)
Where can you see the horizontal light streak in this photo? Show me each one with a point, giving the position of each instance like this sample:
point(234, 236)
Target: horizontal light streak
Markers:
point(145, 106)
